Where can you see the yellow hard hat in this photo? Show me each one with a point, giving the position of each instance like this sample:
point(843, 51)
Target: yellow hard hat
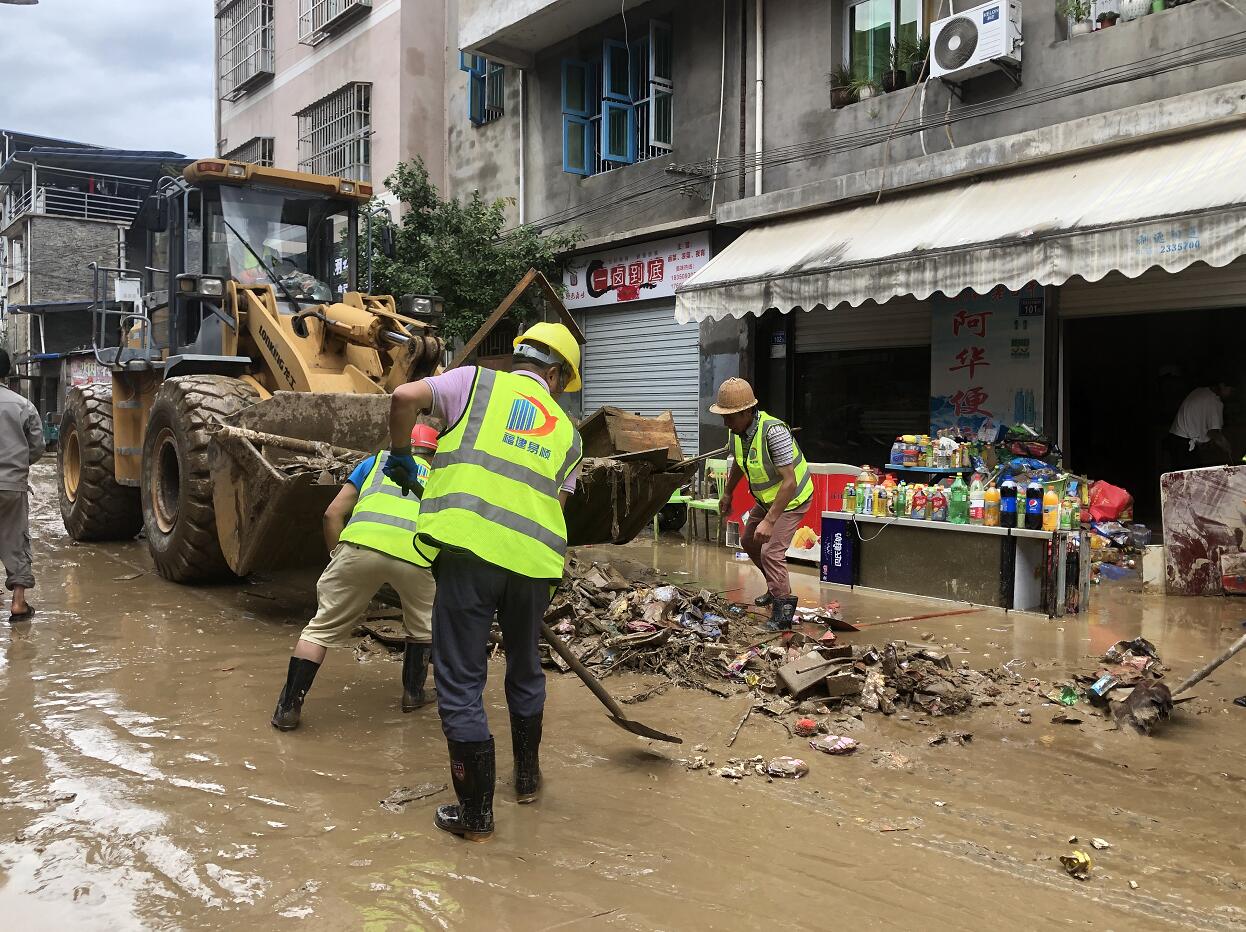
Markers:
point(559, 339)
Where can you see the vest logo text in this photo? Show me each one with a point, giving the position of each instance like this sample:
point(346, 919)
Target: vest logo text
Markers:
point(528, 420)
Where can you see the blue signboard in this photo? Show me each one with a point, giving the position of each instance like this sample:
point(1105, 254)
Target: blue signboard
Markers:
point(838, 540)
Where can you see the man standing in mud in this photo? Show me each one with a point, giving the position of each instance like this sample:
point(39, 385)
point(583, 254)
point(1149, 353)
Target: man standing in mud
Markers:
point(493, 505)
point(21, 445)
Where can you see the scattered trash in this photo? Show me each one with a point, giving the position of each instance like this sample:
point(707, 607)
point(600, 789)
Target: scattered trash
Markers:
point(940, 803)
point(1077, 865)
point(1065, 717)
point(732, 773)
point(1133, 885)
point(1147, 703)
point(1024, 717)
point(787, 767)
point(397, 800)
point(958, 737)
point(805, 727)
point(1099, 844)
point(834, 744)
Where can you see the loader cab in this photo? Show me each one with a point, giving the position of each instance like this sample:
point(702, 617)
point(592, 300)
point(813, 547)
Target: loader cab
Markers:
point(253, 227)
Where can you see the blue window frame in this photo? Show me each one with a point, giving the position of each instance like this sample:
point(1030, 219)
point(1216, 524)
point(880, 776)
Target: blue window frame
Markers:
point(618, 110)
point(485, 88)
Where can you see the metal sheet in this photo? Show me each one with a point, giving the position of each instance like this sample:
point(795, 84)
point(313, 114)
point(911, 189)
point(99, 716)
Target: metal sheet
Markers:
point(1166, 205)
point(641, 360)
point(1198, 288)
point(899, 322)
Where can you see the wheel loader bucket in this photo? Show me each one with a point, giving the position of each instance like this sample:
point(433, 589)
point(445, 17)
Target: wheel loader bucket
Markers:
point(276, 466)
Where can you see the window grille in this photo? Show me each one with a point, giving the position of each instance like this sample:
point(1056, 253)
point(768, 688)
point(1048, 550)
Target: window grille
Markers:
point(335, 134)
point(244, 45)
point(486, 88)
point(318, 19)
point(258, 150)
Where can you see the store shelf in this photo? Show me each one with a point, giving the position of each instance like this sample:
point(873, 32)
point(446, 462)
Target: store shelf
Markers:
point(913, 522)
point(937, 470)
point(1037, 535)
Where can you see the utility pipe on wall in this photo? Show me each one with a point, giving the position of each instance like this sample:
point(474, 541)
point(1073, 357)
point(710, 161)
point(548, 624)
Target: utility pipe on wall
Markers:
point(759, 56)
point(523, 116)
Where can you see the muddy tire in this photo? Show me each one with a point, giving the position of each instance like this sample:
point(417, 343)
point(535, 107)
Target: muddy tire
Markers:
point(176, 486)
point(94, 505)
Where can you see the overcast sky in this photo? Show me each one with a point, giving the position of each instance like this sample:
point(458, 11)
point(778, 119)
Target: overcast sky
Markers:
point(132, 74)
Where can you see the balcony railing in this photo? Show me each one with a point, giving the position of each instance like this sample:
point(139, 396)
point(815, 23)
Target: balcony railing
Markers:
point(67, 202)
point(318, 19)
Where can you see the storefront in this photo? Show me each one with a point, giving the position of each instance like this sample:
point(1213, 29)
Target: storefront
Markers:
point(1083, 299)
point(638, 357)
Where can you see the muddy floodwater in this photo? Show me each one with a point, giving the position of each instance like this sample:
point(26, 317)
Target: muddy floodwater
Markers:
point(143, 787)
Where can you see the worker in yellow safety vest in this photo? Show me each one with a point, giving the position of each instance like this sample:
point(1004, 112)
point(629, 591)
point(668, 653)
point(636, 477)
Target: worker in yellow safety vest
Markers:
point(765, 453)
point(493, 507)
point(369, 529)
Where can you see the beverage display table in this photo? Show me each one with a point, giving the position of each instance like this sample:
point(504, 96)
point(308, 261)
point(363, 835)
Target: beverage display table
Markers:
point(1010, 568)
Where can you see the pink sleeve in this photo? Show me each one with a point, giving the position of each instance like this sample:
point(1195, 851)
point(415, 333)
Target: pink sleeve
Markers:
point(569, 485)
point(450, 392)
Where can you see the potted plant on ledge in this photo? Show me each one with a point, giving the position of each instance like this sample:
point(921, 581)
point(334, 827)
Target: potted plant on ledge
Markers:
point(1107, 19)
point(1078, 12)
point(919, 53)
point(896, 76)
point(842, 92)
point(865, 87)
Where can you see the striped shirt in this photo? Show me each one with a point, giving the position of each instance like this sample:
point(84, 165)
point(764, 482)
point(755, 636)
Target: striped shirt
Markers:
point(778, 438)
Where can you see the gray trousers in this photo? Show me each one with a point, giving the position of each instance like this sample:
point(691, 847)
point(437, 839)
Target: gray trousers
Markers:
point(469, 592)
point(15, 539)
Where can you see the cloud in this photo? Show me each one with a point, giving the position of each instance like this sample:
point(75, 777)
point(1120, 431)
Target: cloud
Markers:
point(134, 74)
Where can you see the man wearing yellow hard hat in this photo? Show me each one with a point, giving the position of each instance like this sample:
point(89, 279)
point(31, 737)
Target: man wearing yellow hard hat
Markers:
point(493, 508)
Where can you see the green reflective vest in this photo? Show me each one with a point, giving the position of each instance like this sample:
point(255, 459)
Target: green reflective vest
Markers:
point(384, 519)
point(763, 475)
point(493, 489)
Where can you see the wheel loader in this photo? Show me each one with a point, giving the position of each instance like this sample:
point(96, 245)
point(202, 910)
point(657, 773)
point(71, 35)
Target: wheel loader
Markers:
point(246, 279)
point(248, 376)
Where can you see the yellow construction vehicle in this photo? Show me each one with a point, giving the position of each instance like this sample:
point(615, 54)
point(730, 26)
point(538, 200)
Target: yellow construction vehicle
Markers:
point(241, 289)
point(248, 376)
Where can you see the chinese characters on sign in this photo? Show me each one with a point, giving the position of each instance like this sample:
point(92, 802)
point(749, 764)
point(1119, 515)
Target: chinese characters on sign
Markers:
point(1179, 237)
point(634, 273)
point(986, 359)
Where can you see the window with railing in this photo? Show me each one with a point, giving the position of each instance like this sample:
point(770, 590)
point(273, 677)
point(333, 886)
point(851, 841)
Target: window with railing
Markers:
point(84, 198)
point(258, 150)
point(619, 110)
point(486, 88)
point(335, 134)
point(244, 30)
point(319, 19)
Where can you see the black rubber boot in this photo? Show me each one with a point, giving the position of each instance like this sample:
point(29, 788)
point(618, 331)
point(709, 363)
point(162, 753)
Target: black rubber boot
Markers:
point(782, 614)
point(472, 768)
point(526, 742)
point(763, 600)
point(290, 703)
point(414, 675)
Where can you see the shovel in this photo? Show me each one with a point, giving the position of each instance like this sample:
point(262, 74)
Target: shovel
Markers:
point(616, 711)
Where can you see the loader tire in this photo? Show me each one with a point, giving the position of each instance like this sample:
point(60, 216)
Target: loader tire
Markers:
point(177, 488)
point(94, 506)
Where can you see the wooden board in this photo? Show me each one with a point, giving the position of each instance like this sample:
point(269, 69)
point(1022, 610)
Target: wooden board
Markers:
point(609, 431)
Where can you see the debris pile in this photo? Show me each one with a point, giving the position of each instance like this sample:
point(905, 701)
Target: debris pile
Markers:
point(1128, 688)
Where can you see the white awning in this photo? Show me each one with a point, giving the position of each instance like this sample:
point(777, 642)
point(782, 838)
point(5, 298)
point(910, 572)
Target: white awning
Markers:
point(1166, 205)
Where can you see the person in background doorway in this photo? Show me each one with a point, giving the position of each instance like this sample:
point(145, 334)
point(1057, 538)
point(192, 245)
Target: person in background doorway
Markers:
point(766, 454)
point(370, 531)
point(1196, 437)
point(21, 445)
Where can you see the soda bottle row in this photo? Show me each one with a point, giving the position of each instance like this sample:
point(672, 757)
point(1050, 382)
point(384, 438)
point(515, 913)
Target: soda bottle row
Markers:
point(978, 503)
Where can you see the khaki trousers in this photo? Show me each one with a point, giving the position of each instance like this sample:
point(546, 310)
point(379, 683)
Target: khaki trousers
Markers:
point(349, 582)
point(15, 539)
point(771, 559)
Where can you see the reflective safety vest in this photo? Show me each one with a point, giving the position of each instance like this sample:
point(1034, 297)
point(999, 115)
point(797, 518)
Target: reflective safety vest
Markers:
point(763, 475)
point(493, 489)
point(384, 519)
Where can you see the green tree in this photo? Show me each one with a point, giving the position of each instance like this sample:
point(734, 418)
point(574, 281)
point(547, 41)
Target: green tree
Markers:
point(459, 250)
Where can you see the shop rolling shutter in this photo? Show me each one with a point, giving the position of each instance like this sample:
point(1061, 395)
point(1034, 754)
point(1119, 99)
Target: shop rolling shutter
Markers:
point(640, 360)
point(1197, 288)
point(899, 322)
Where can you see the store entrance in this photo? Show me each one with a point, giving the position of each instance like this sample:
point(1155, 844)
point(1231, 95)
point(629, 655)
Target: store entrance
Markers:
point(1125, 377)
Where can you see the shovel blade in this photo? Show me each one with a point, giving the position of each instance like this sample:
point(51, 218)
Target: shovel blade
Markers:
point(643, 731)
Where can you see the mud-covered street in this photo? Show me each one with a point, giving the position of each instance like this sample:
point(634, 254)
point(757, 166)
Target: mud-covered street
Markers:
point(143, 786)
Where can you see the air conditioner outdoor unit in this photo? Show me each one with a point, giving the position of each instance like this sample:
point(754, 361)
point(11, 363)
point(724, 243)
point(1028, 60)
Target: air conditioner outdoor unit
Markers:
point(985, 38)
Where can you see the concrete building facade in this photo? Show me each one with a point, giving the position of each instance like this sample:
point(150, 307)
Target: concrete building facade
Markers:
point(756, 135)
point(339, 87)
